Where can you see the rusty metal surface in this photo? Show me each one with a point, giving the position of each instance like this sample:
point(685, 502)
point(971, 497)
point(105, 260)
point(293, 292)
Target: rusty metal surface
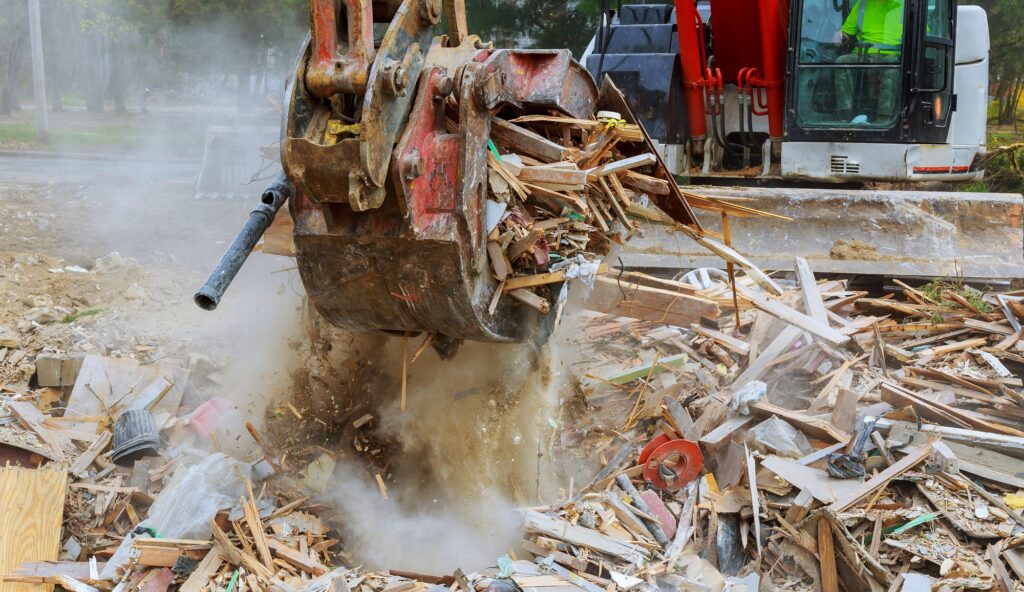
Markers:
point(539, 79)
point(389, 94)
point(390, 215)
point(340, 65)
point(318, 171)
point(420, 265)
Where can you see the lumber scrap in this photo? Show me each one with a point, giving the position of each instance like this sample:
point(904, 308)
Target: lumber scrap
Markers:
point(612, 296)
point(585, 537)
point(523, 141)
point(891, 472)
point(793, 317)
point(31, 512)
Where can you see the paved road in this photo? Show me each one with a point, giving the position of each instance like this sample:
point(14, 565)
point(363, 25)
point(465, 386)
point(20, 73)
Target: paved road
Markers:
point(44, 169)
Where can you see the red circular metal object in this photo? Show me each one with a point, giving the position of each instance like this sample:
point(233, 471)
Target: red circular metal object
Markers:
point(673, 464)
point(651, 447)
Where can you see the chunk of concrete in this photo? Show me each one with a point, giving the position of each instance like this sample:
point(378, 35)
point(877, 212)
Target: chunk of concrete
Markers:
point(58, 370)
point(9, 338)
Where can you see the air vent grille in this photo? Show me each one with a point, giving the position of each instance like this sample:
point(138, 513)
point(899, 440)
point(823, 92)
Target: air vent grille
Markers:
point(842, 165)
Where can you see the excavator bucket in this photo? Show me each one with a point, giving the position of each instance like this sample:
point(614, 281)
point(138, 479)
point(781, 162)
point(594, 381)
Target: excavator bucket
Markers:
point(927, 234)
point(391, 175)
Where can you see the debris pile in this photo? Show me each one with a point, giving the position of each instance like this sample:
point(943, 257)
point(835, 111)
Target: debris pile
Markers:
point(814, 438)
point(562, 190)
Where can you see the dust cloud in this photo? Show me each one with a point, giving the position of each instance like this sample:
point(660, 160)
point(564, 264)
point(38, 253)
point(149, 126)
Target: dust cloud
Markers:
point(476, 442)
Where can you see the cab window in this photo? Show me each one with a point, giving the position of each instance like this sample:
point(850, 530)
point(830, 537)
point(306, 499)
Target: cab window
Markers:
point(848, 72)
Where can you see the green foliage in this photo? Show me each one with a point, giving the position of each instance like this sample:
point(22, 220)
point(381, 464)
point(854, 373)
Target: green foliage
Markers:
point(552, 24)
point(935, 291)
point(72, 317)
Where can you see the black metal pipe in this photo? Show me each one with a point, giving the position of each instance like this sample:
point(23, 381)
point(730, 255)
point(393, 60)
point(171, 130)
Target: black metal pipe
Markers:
point(208, 296)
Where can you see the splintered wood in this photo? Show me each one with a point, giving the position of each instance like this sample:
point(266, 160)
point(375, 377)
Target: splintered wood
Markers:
point(885, 433)
point(558, 199)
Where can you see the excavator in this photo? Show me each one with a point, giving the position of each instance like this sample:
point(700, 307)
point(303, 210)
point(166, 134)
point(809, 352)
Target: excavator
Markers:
point(387, 126)
point(844, 115)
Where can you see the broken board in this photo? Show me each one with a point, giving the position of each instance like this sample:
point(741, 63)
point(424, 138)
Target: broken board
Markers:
point(105, 382)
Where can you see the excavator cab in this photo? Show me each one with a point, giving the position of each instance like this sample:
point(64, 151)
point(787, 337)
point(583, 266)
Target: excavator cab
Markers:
point(876, 70)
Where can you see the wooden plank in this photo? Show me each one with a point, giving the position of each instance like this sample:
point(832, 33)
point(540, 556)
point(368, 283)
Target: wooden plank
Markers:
point(891, 472)
point(31, 512)
point(728, 341)
point(81, 464)
point(542, 279)
point(833, 382)
point(300, 560)
point(997, 328)
point(546, 174)
point(642, 279)
point(623, 165)
point(845, 410)
point(813, 304)
point(720, 435)
point(645, 370)
point(1008, 445)
point(33, 419)
point(206, 569)
point(532, 300)
point(988, 464)
point(755, 499)
point(898, 396)
point(827, 556)
point(814, 428)
point(613, 200)
point(760, 365)
point(942, 350)
point(731, 255)
point(816, 482)
point(585, 537)
point(499, 265)
point(787, 314)
point(523, 141)
point(650, 304)
point(524, 244)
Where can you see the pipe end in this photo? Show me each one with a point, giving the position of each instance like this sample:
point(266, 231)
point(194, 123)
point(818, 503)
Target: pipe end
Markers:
point(206, 301)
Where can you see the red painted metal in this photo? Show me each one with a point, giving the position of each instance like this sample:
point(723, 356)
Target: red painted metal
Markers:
point(653, 445)
point(774, 26)
point(681, 460)
point(736, 36)
point(330, 71)
point(691, 34)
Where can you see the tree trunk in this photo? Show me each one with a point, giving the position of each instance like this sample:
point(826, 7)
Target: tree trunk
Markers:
point(94, 91)
point(53, 82)
point(9, 91)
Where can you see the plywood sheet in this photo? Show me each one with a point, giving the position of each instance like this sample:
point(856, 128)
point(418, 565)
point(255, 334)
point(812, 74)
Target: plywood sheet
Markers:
point(104, 383)
point(31, 511)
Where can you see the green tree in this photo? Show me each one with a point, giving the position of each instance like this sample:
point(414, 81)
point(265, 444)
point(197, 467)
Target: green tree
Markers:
point(1006, 25)
point(542, 24)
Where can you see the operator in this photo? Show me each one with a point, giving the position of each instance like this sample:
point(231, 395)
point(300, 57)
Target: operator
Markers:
point(871, 34)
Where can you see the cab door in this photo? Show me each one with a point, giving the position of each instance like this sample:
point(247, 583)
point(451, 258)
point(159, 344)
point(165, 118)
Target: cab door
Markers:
point(931, 96)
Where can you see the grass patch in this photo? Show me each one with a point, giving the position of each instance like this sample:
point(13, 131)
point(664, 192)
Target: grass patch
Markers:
point(72, 317)
point(121, 137)
point(935, 291)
